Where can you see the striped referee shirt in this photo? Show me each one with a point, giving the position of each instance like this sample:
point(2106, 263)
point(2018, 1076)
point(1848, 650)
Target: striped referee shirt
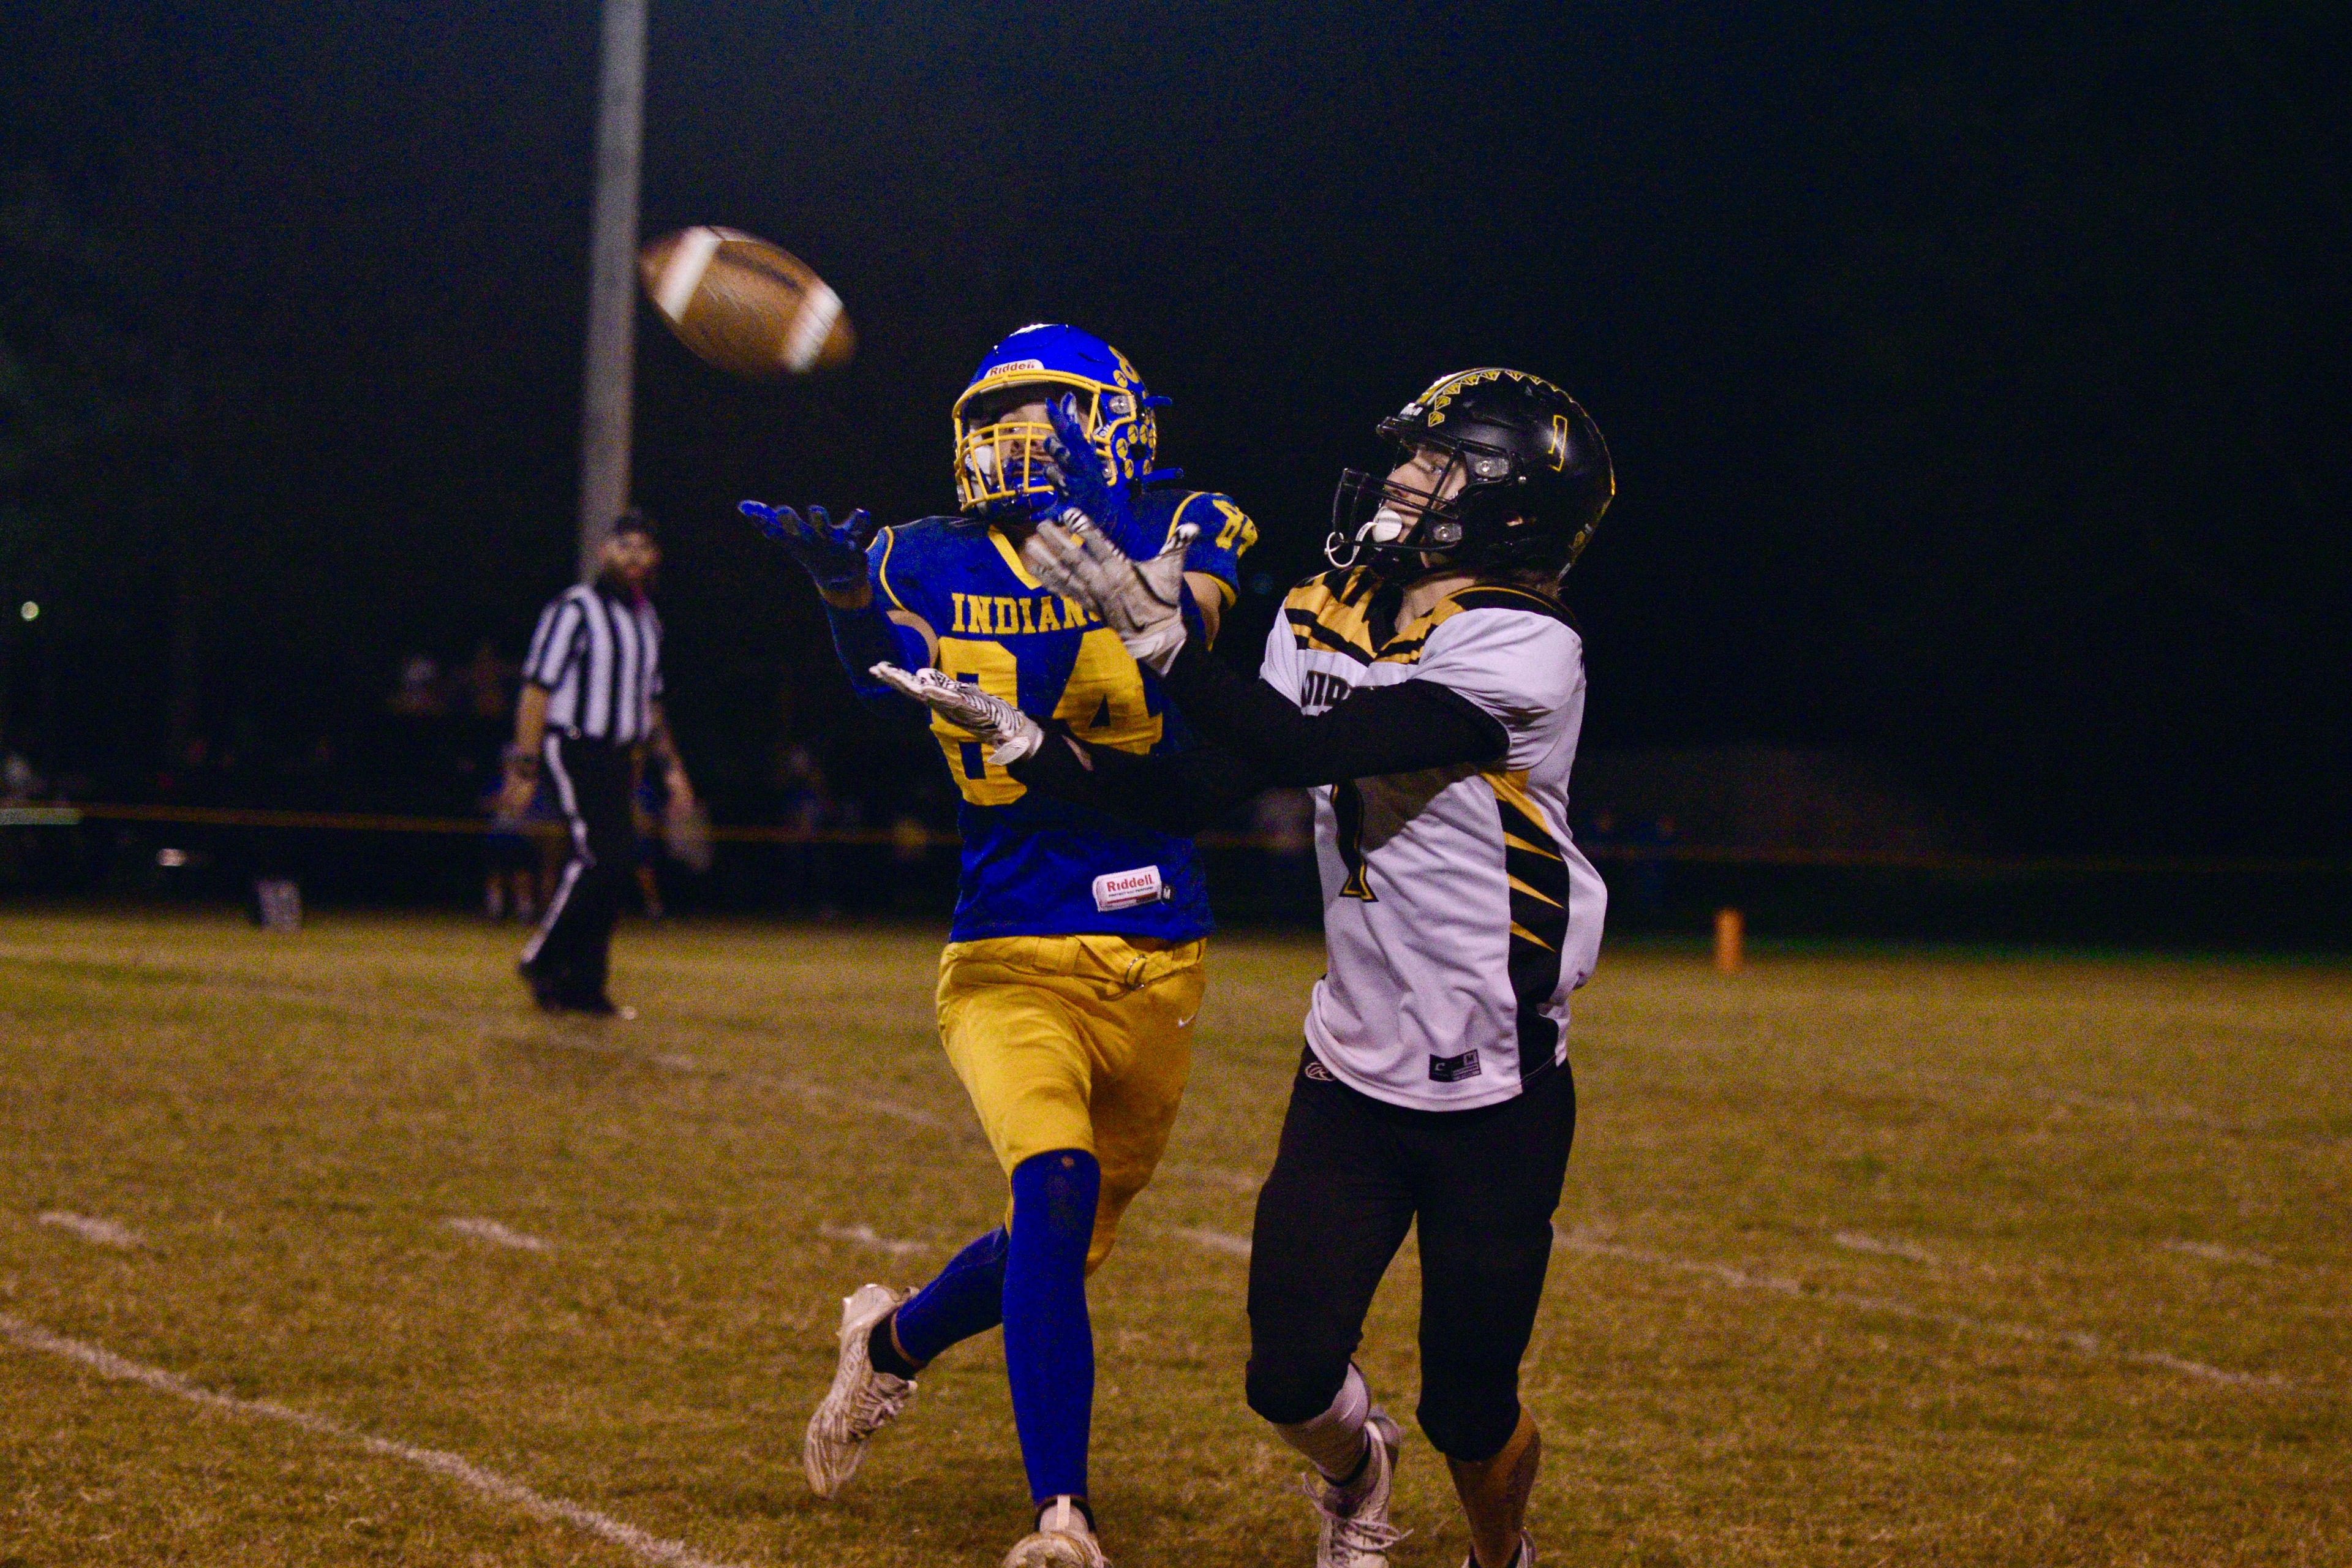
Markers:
point(599, 658)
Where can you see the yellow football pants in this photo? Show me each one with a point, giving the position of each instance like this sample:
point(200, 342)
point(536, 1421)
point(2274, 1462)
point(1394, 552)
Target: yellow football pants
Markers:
point(1074, 1042)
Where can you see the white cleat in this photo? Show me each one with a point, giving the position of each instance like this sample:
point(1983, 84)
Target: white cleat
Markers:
point(861, 1401)
point(1526, 1559)
point(1356, 1531)
point(1062, 1539)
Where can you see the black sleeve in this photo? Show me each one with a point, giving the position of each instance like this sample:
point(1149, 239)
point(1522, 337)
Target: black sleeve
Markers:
point(1398, 729)
point(1178, 794)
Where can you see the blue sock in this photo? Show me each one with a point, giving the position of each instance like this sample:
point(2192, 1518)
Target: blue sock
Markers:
point(966, 1298)
point(1049, 1345)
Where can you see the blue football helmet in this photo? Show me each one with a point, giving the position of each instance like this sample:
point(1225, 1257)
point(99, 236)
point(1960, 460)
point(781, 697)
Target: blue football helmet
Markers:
point(1000, 454)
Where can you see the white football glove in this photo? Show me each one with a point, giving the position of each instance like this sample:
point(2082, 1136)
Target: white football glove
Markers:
point(1011, 733)
point(1142, 602)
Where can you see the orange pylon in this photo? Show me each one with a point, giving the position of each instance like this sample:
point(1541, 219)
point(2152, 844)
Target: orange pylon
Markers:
point(1730, 941)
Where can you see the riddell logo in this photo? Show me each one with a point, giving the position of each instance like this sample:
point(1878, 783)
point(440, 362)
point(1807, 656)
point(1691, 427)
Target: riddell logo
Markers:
point(1126, 889)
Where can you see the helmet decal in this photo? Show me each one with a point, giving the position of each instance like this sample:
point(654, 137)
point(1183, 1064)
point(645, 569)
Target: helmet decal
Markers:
point(1442, 390)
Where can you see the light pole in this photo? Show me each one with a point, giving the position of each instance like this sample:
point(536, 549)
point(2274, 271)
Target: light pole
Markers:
point(611, 279)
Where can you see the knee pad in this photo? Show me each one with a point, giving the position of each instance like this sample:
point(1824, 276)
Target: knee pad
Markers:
point(1467, 1419)
point(1286, 1390)
point(1055, 1196)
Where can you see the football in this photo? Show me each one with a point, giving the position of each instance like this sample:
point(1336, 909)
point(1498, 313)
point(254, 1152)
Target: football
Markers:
point(744, 305)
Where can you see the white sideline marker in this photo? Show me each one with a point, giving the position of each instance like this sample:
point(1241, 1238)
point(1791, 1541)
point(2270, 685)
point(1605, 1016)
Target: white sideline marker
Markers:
point(97, 1232)
point(556, 1510)
point(863, 1235)
point(491, 1231)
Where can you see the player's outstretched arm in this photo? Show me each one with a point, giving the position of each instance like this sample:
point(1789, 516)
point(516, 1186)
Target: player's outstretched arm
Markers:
point(1394, 730)
point(992, 720)
point(836, 556)
point(1180, 793)
point(1142, 601)
point(1398, 729)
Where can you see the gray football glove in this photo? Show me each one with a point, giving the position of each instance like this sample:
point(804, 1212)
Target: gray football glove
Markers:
point(1011, 733)
point(1143, 602)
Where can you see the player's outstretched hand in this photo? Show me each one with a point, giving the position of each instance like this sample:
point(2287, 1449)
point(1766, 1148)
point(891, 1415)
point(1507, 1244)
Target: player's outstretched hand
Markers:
point(1011, 733)
point(1083, 494)
point(1143, 602)
point(834, 553)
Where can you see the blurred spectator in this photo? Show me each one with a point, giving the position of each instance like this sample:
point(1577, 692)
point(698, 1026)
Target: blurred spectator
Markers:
point(419, 694)
point(805, 805)
point(648, 806)
point(18, 782)
point(1283, 821)
point(1649, 868)
point(514, 870)
point(489, 683)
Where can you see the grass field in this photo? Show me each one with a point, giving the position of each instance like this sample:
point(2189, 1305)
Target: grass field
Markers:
point(1866, 1259)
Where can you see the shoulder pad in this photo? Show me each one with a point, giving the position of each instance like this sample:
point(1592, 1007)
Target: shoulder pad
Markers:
point(1344, 584)
point(1161, 501)
point(1498, 596)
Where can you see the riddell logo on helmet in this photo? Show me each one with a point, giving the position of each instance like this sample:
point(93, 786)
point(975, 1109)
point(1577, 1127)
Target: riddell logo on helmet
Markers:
point(1012, 368)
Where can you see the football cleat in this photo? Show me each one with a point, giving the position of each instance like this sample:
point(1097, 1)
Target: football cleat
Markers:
point(861, 1401)
point(1525, 1557)
point(1356, 1531)
point(1062, 1539)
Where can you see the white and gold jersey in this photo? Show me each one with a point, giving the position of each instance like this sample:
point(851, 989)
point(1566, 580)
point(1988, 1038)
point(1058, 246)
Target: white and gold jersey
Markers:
point(1458, 912)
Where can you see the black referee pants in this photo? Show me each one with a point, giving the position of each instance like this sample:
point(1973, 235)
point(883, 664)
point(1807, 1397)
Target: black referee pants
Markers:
point(590, 781)
point(1353, 1175)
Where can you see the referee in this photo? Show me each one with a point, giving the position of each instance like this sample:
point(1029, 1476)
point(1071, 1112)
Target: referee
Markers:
point(591, 705)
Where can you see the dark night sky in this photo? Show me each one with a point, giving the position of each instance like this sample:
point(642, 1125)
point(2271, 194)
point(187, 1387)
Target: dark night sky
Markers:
point(1978, 379)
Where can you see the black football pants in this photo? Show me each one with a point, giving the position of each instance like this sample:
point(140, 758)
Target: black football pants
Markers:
point(590, 781)
point(1353, 1175)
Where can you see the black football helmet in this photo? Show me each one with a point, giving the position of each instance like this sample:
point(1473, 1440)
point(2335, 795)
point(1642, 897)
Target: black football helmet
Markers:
point(1535, 473)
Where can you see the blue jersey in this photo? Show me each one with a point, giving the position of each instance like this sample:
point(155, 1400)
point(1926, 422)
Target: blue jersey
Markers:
point(1030, 865)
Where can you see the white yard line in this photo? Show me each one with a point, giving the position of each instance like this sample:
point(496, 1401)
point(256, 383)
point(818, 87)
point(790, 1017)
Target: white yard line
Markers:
point(1741, 1280)
point(539, 1505)
point(1213, 1240)
point(500, 1027)
point(2213, 1254)
point(1781, 1285)
point(1211, 1176)
point(863, 1235)
point(97, 1232)
point(1854, 1241)
point(491, 1231)
point(825, 1095)
point(818, 1096)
